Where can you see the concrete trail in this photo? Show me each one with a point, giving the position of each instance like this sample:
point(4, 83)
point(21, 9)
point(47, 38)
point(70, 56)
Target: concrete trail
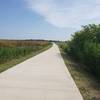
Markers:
point(43, 77)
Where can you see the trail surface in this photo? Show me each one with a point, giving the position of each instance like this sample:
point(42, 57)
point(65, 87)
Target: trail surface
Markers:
point(43, 77)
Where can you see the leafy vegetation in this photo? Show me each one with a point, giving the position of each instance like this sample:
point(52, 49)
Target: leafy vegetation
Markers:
point(13, 50)
point(85, 47)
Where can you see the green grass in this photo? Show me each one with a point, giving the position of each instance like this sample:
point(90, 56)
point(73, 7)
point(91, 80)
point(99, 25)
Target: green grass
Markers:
point(87, 84)
point(14, 49)
point(14, 60)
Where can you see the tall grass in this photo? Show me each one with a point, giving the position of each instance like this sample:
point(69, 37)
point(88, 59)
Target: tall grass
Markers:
point(14, 49)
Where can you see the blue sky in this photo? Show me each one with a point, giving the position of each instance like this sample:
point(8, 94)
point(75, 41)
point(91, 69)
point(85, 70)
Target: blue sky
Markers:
point(46, 19)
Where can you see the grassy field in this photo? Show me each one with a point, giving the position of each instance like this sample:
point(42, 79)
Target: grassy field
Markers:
point(87, 84)
point(13, 52)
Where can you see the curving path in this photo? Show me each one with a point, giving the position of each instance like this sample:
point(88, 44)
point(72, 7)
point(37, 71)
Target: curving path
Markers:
point(43, 77)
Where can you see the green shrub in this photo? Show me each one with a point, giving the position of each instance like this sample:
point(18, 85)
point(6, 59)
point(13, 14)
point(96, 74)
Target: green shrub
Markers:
point(64, 46)
point(85, 46)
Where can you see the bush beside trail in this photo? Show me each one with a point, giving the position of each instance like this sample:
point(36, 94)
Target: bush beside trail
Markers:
point(85, 47)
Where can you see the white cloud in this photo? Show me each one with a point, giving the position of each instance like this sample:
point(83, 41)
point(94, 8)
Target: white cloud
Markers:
point(67, 13)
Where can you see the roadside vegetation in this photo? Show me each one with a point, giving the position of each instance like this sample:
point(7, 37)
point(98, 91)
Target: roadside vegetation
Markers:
point(85, 47)
point(13, 52)
point(82, 56)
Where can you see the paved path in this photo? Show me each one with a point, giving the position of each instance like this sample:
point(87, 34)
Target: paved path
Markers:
point(43, 77)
